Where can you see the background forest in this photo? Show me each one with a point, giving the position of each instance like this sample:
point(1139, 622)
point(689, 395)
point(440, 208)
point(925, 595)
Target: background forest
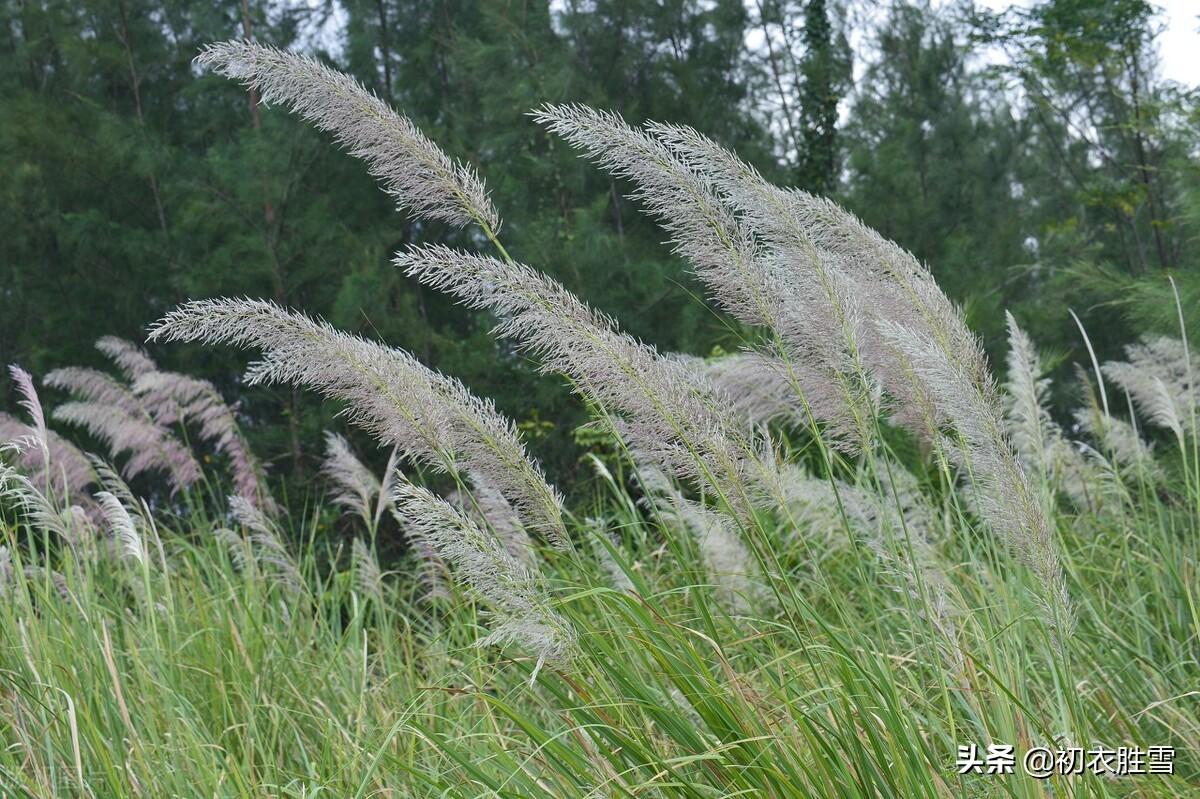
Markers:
point(1036, 160)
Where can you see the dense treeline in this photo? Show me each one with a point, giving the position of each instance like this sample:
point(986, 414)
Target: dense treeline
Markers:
point(1063, 175)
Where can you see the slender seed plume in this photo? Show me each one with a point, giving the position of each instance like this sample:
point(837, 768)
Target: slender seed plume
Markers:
point(41, 513)
point(522, 611)
point(1007, 501)
point(411, 168)
point(199, 402)
point(761, 387)
point(725, 556)
point(267, 545)
point(488, 508)
point(91, 385)
point(55, 466)
point(912, 339)
point(131, 359)
point(812, 315)
point(121, 527)
point(1028, 420)
point(368, 577)
point(29, 401)
point(358, 487)
point(428, 416)
point(149, 446)
point(432, 569)
point(1158, 376)
point(666, 410)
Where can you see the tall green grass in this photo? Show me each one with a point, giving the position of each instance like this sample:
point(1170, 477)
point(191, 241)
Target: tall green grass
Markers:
point(213, 681)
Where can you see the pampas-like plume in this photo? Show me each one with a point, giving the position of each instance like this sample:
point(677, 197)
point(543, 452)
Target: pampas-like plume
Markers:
point(1033, 431)
point(913, 340)
point(64, 476)
point(432, 570)
point(368, 577)
point(1007, 501)
point(731, 566)
point(359, 490)
point(1158, 375)
point(199, 402)
point(666, 411)
point(489, 509)
point(29, 401)
point(411, 168)
point(1039, 441)
point(811, 233)
point(812, 314)
point(40, 512)
point(91, 385)
point(759, 386)
point(267, 544)
point(428, 416)
point(131, 359)
point(149, 446)
point(121, 527)
point(522, 610)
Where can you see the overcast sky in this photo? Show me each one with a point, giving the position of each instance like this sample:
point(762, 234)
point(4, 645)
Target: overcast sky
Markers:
point(1179, 43)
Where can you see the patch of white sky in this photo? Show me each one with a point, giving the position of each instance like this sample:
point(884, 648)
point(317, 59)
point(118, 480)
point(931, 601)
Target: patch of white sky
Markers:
point(1178, 38)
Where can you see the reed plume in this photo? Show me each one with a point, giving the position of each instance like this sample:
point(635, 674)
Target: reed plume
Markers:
point(359, 491)
point(267, 544)
point(411, 168)
point(131, 359)
point(1158, 374)
point(431, 418)
point(121, 527)
point(725, 556)
point(811, 316)
point(70, 523)
point(368, 577)
point(198, 402)
point(665, 409)
point(521, 609)
point(431, 568)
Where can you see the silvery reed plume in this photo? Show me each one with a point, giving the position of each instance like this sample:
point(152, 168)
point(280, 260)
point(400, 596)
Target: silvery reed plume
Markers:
point(360, 492)
point(909, 339)
point(267, 545)
point(131, 359)
point(664, 409)
point(730, 565)
point(113, 413)
point(68, 522)
point(431, 568)
point(54, 465)
point(488, 508)
point(1043, 448)
point(36, 432)
point(521, 609)
point(1159, 375)
point(368, 577)
point(121, 527)
point(198, 402)
point(413, 170)
point(755, 384)
point(811, 315)
point(909, 336)
point(429, 417)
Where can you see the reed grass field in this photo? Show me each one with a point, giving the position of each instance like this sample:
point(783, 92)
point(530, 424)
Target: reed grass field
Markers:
point(843, 561)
